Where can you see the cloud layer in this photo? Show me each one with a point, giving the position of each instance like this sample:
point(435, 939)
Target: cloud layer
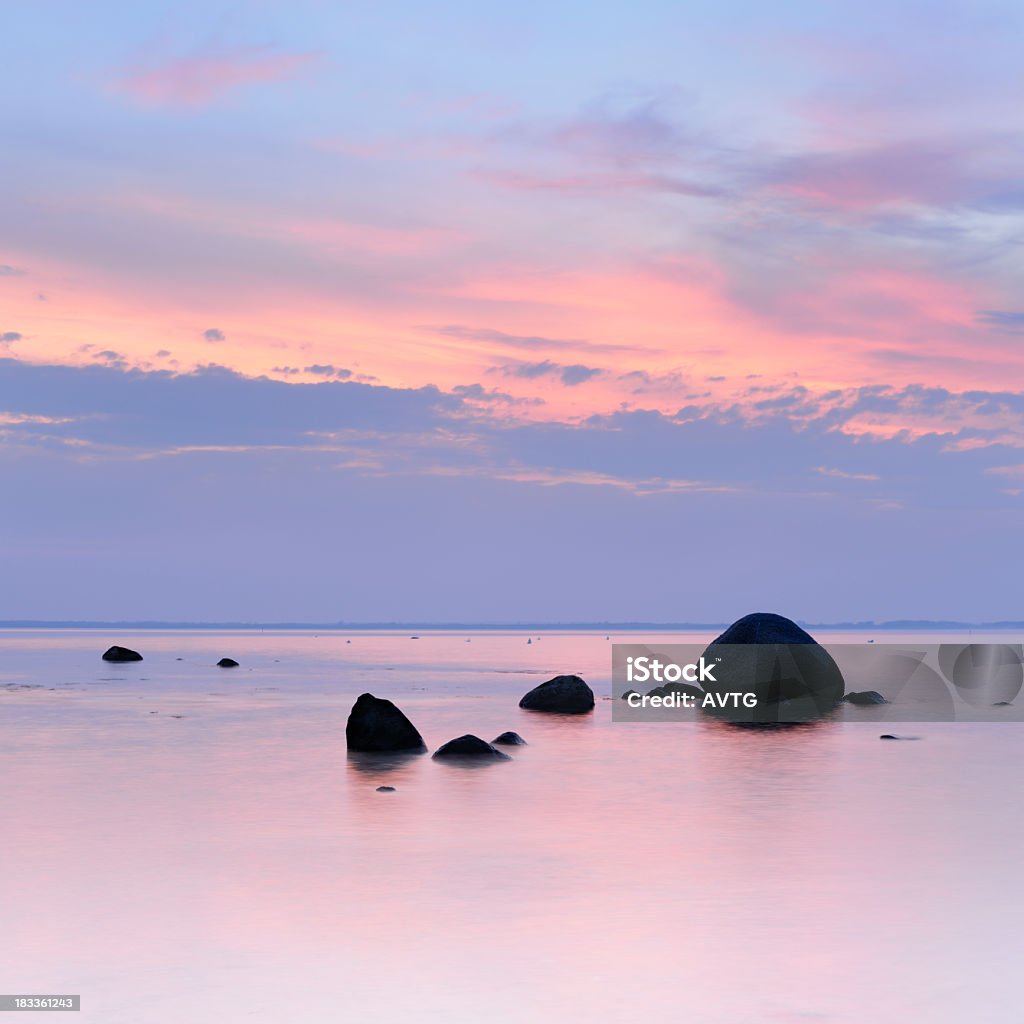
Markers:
point(508, 299)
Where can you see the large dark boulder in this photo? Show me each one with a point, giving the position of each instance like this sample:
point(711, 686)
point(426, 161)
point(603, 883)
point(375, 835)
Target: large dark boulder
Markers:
point(116, 653)
point(227, 663)
point(376, 725)
point(563, 695)
point(792, 676)
point(764, 628)
point(470, 746)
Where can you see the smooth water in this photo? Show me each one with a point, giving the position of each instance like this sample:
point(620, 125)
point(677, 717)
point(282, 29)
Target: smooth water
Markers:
point(184, 844)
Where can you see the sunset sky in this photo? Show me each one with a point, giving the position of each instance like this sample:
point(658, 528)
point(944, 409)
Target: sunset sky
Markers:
point(532, 312)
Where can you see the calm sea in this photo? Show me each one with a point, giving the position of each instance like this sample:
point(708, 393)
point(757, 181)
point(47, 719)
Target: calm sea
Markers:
point(186, 844)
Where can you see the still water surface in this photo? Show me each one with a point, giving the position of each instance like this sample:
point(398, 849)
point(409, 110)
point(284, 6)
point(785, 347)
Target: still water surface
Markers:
point(185, 844)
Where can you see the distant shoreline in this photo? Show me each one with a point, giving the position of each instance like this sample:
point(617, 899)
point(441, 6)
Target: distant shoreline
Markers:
point(482, 627)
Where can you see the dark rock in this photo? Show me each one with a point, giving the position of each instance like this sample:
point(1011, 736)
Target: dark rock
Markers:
point(1003, 704)
point(627, 694)
point(376, 725)
point(227, 663)
point(658, 691)
point(764, 628)
point(116, 653)
point(510, 739)
point(865, 697)
point(470, 746)
point(792, 676)
point(565, 695)
point(385, 789)
point(890, 736)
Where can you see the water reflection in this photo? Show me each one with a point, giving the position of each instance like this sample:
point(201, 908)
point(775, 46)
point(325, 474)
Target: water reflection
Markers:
point(382, 763)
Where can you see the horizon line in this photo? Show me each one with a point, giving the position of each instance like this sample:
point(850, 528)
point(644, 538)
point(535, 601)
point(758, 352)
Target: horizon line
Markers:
point(621, 626)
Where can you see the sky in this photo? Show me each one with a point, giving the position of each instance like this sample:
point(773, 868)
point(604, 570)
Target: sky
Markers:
point(534, 312)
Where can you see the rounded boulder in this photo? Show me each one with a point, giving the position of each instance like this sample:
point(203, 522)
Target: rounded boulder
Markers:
point(117, 653)
point(509, 739)
point(563, 695)
point(470, 746)
point(792, 676)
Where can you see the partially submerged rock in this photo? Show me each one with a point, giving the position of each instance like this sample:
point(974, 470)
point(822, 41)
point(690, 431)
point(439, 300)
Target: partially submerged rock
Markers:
point(865, 697)
point(117, 653)
point(792, 677)
point(470, 746)
point(385, 789)
point(510, 739)
point(227, 663)
point(563, 695)
point(376, 725)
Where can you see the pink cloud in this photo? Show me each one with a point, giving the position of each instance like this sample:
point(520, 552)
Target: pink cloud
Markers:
point(204, 77)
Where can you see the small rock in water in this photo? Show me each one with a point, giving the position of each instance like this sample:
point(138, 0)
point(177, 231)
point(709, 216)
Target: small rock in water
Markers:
point(510, 739)
point(470, 746)
point(1003, 704)
point(227, 663)
point(117, 653)
point(889, 736)
point(628, 694)
point(865, 697)
point(385, 789)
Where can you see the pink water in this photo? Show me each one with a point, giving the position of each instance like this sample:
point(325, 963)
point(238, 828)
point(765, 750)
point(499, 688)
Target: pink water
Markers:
point(234, 864)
